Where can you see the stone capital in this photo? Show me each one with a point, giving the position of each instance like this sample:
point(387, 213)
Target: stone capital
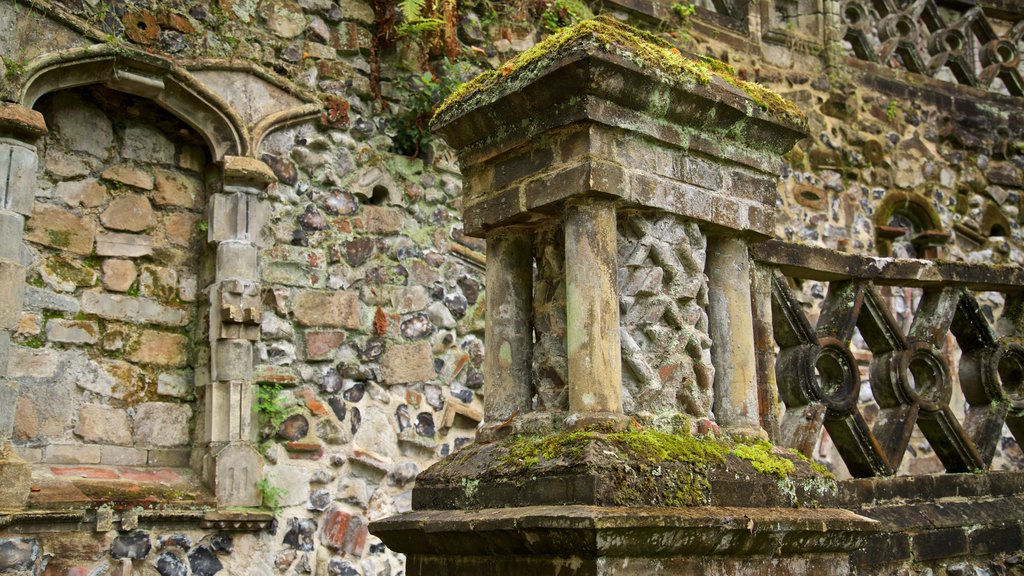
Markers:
point(21, 122)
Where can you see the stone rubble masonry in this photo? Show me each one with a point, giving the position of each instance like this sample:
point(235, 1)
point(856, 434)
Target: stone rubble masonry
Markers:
point(162, 424)
point(131, 213)
point(406, 363)
point(131, 309)
point(124, 245)
point(57, 228)
point(99, 424)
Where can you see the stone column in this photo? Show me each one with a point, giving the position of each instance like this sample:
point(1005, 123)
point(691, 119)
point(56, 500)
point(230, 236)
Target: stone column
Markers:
point(236, 215)
point(509, 330)
point(592, 313)
point(764, 348)
point(19, 127)
point(732, 333)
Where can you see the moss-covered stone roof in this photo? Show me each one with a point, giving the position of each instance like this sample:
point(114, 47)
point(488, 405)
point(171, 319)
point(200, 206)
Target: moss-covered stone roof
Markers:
point(651, 53)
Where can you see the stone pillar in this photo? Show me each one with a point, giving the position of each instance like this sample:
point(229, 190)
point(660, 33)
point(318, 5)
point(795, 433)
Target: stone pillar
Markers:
point(508, 333)
point(236, 215)
point(19, 127)
point(764, 348)
point(732, 333)
point(624, 169)
point(592, 313)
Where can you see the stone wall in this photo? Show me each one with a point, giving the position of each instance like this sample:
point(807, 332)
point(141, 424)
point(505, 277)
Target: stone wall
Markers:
point(368, 360)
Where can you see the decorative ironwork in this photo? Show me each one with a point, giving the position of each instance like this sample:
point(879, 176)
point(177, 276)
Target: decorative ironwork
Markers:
point(920, 38)
point(910, 377)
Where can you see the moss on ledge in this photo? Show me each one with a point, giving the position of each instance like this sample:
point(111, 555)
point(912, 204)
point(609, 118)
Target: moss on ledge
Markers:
point(647, 51)
point(635, 468)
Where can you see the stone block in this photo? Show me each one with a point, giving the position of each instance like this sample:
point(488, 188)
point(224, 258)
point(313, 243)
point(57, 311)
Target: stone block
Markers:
point(17, 177)
point(158, 348)
point(176, 189)
point(236, 260)
point(72, 331)
point(129, 176)
point(87, 193)
point(12, 294)
point(344, 532)
point(235, 216)
point(237, 469)
point(99, 424)
point(71, 454)
point(179, 228)
point(135, 310)
point(40, 299)
point(409, 299)
point(124, 245)
point(57, 228)
point(8, 402)
point(405, 363)
point(162, 424)
point(15, 481)
point(118, 275)
point(323, 308)
point(232, 360)
point(383, 219)
point(80, 125)
point(5, 352)
point(174, 457)
point(32, 363)
point(12, 228)
point(321, 345)
point(174, 385)
point(147, 144)
point(294, 266)
point(123, 456)
point(67, 274)
point(131, 213)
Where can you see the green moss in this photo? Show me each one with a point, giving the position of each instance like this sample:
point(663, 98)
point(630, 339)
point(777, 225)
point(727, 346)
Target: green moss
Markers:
point(34, 342)
point(58, 238)
point(646, 50)
point(764, 460)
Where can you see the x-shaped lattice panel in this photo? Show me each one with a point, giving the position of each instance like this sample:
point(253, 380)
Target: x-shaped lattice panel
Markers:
point(924, 42)
point(911, 381)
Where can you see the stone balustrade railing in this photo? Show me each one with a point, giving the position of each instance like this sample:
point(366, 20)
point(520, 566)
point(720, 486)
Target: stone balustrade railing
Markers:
point(912, 372)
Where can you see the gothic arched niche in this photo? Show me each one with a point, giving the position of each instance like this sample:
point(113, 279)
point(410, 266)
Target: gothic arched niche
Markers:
point(907, 226)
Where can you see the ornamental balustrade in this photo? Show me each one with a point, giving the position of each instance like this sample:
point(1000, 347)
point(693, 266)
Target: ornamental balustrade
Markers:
point(951, 344)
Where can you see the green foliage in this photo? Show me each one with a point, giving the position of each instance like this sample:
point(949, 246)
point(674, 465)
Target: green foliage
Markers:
point(271, 495)
point(890, 112)
point(13, 68)
point(421, 93)
point(684, 11)
point(416, 19)
point(269, 404)
point(202, 226)
point(562, 13)
point(34, 342)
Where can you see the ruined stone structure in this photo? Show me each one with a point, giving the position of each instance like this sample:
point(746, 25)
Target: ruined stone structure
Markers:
point(242, 305)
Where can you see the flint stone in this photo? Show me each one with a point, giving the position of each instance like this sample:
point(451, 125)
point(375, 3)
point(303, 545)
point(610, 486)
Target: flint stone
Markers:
point(18, 554)
point(135, 546)
point(300, 534)
point(204, 562)
point(168, 564)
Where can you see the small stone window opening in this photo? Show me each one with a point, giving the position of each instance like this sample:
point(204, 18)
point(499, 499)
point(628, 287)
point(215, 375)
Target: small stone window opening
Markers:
point(906, 226)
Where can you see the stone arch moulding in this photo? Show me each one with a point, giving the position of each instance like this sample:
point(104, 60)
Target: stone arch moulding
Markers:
point(147, 76)
point(927, 233)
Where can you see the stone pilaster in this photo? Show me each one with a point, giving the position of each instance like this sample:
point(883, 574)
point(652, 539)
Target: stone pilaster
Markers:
point(236, 214)
point(19, 128)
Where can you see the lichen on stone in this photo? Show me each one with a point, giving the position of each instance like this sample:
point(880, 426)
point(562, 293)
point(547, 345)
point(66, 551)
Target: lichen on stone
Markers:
point(646, 50)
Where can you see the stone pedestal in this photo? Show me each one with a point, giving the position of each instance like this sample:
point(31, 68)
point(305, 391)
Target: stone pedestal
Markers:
point(636, 178)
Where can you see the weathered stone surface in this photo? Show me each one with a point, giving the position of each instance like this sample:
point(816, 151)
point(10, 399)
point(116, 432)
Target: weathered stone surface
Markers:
point(124, 245)
point(131, 213)
point(176, 189)
point(168, 564)
point(134, 545)
point(383, 219)
point(300, 533)
point(159, 348)
point(162, 424)
point(405, 363)
point(65, 274)
point(86, 193)
point(80, 125)
point(138, 310)
point(71, 454)
point(344, 532)
point(204, 561)
point(26, 362)
point(72, 331)
point(12, 294)
point(294, 428)
point(101, 424)
point(318, 308)
point(57, 228)
point(15, 486)
point(321, 345)
point(129, 176)
point(118, 275)
point(19, 555)
point(174, 385)
point(180, 228)
point(147, 144)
